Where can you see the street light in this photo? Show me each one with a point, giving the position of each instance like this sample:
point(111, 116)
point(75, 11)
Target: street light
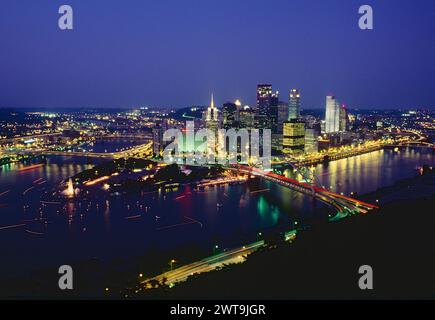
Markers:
point(172, 263)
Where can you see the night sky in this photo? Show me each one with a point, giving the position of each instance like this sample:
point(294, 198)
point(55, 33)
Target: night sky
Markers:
point(129, 53)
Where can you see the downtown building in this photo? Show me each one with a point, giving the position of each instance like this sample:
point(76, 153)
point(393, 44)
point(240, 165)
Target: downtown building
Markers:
point(332, 115)
point(157, 141)
point(281, 111)
point(335, 116)
point(231, 115)
point(312, 140)
point(263, 107)
point(247, 118)
point(293, 137)
point(294, 104)
point(293, 142)
point(157, 133)
point(212, 117)
point(212, 123)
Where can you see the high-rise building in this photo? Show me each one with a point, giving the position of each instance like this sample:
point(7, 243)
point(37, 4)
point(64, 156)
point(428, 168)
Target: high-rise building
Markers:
point(343, 118)
point(276, 144)
point(212, 117)
point(264, 94)
point(264, 100)
point(272, 117)
point(293, 137)
point(311, 140)
point(157, 141)
point(230, 115)
point(247, 118)
point(212, 123)
point(332, 116)
point(322, 126)
point(282, 115)
point(294, 104)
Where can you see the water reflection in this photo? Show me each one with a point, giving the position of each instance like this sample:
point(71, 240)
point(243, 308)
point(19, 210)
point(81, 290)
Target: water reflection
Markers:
point(113, 226)
point(368, 172)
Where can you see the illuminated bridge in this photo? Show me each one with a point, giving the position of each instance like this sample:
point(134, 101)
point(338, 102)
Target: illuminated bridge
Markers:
point(344, 205)
point(143, 150)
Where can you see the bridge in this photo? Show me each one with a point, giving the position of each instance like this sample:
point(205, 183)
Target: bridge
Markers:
point(125, 136)
point(30, 137)
point(316, 159)
point(140, 151)
point(344, 205)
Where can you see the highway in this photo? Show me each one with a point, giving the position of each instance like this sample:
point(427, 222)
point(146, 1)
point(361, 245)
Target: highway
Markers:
point(208, 264)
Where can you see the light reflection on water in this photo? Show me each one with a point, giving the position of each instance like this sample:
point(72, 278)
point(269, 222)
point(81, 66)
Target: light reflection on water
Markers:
point(101, 227)
point(368, 172)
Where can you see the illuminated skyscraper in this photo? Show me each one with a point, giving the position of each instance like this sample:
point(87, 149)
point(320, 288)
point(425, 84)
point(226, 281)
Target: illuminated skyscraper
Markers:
point(157, 141)
point(282, 115)
point(272, 116)
point(311, 140)
point(264, 101)
point(293, 142)
point(293, 137)
point(343, 118)
point(247, 118)
point(212, 123)
point(332, 116)
point(294, 104)
point(230, 115)
point(264, 94)
point(212, 117)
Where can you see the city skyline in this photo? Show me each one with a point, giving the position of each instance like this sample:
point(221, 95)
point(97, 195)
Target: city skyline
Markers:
point(165, 150)
point(127, 60)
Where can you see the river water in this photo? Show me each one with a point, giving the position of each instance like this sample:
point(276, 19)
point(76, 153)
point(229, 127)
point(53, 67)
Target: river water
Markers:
point(109, 227)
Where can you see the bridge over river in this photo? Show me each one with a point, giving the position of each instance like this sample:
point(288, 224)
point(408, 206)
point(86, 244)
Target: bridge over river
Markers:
point(344, 205)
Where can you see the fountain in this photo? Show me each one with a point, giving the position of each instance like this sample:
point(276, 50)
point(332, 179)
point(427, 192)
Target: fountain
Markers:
point(69, 191)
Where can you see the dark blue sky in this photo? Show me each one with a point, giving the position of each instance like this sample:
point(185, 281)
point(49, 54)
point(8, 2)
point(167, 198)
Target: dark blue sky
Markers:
point(128, 53)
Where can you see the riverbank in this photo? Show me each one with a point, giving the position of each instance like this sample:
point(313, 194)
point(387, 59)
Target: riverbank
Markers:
point(422, 185)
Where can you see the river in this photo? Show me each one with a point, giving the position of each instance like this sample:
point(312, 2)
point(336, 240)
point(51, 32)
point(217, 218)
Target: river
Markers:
point(113, 227)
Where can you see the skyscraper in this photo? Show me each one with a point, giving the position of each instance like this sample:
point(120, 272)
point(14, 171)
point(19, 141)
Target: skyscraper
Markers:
point(343, 118)
point(230, 115)
point(264, 100)
point(282, 115)
point(272, 116)
point(247, 118)
point(212, 124)
point(311, 140)
point(293, 137)
point(332, 116)
point(212, 120)
point(294, 104)
point(264, 94)
point(157, 141)
point(294, 129)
